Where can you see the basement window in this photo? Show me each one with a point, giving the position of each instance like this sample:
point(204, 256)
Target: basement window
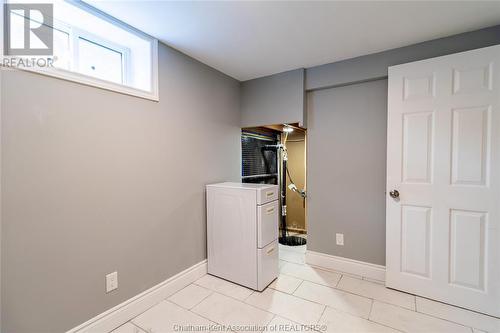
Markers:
point(95, 49)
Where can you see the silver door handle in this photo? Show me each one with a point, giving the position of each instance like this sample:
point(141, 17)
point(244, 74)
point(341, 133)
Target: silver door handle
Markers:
point(394, 194)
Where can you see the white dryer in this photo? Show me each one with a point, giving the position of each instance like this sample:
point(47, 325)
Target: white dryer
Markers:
point(242, 233)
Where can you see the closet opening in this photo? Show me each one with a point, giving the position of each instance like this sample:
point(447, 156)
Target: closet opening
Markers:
point(276, 154)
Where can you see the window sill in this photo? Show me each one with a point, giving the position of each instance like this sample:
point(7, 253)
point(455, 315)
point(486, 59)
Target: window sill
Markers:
point(98, 83)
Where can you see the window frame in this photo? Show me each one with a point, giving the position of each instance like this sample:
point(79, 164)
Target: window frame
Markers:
point(73, 76)
point(77, 34)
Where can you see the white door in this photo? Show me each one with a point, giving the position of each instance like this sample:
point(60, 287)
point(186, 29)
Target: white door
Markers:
point(443, 157)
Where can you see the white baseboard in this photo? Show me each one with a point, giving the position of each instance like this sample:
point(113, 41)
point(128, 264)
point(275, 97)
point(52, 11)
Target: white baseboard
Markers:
point(364, 269)
point(120, 314)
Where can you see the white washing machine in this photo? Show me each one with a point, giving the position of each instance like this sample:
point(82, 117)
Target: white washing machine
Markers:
point(242, 233)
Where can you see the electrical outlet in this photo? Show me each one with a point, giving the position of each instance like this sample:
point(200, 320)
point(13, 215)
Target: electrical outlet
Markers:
point(340, 239)
point(111, 281)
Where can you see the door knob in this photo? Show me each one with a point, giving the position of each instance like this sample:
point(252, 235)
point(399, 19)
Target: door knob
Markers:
point(394, 194)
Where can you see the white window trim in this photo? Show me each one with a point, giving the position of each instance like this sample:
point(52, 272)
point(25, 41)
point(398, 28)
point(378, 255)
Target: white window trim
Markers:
point(96, 82)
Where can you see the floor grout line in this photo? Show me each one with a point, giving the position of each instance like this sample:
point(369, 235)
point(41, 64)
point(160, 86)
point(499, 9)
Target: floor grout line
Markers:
point(308, 300)
point(298, 297)
point(455, 307)
point(216, 322)
point(244, 299)
point(214, 292)
point(238, 299)
point(286, 292)
point(373, 300)
point(204, 298)
point(385, 325)
point(322, 314)
point(244, 302)
point(342, 290)
point(371, 308)
point(325, 306)
point(360, 295)
point(264, 329)
point(298, 286)
point(281, 315)
point(166, 300)
point(338, 282)
point(426, 315)
point(191, 284)
point(302, 277)
point(142, 329)
point(202, 316)
point(324, 269)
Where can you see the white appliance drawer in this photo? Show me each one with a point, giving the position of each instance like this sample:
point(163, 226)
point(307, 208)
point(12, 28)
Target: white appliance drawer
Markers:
point(267, 194)
point(268, 266)
point(267, 223)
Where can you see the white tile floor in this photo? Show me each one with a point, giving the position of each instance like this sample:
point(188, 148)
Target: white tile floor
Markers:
point(329, 301)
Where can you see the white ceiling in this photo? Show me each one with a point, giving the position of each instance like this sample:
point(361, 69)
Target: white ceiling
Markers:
point(251, 39)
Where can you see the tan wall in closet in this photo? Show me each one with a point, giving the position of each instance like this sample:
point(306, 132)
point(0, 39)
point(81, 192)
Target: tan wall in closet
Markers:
point(296, 210)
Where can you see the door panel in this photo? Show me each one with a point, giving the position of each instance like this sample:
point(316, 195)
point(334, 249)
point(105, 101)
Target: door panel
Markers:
point(419, 87)
point(415, 242)
point(472, 80)
point(417, 147)
point(470, 145)
point(443, 156)
point(467, 249)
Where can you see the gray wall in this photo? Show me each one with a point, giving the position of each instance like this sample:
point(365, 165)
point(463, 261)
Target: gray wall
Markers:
point(95, 181)
point(347, 141)
point(275, 99)
point(375, 65)
point(346, 167)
